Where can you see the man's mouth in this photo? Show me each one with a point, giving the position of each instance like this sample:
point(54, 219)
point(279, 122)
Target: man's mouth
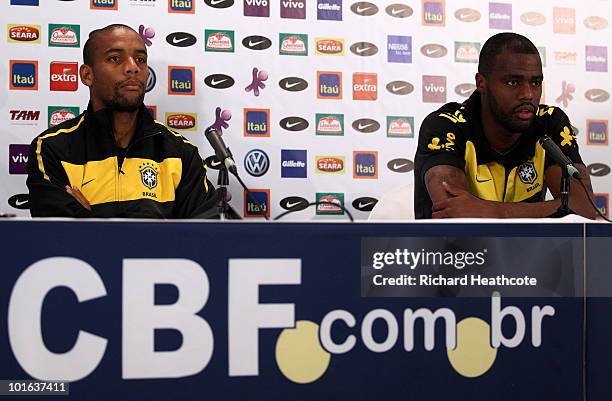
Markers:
point(132, 85)
point(525, 112)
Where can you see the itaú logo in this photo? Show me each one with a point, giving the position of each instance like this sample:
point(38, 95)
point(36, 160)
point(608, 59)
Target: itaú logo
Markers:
point(304, 348)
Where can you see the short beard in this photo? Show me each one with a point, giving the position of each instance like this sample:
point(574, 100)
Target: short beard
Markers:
point(505, 120)
point(120, 103)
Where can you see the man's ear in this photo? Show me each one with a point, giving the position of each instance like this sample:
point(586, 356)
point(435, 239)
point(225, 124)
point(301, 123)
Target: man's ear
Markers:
point(481, 83)
point(86, 74)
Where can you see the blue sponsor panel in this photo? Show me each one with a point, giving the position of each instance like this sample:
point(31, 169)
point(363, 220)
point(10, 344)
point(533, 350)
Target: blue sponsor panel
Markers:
point(294, 163)
point(24, 3)
point(181, 80)
point(257, 122)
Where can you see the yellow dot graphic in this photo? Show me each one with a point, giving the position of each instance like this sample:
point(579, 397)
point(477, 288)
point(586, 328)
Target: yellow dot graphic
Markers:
point(473, 355)
point(299, 355)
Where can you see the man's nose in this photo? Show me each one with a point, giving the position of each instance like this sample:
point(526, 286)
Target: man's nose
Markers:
point(526, 91)
point(131, 66)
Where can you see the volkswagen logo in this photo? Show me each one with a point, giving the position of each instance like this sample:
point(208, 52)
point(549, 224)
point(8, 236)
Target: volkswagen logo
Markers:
point(151, 80)
point(256, 162)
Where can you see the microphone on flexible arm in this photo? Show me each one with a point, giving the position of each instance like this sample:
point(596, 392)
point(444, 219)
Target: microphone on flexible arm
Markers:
point(559, 157)
point(221, 151)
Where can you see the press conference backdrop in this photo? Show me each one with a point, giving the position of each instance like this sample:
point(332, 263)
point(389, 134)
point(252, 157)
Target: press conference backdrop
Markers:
point(326, 96)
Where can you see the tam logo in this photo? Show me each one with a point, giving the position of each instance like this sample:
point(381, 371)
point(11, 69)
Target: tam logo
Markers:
point(433, 12)
point(103, 4)
point(365, 86)
point(329, 85)
point(23, 75)
point(182, 121)
point(24, 117)
point(256, 122)
point(63, 76)
point(23, 33)
point(181, 80)
point(60, 114)
point(259, 206)
point(181, 6)
point(365, 164)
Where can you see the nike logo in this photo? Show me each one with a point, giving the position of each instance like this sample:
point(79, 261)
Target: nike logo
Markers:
point(215, 2)
point(21, 202)
point(399, 166)
point(363, 205)
point(465, 16)
point(363, 49)
point(291, 125)
point(529, 20)
point(252, 44)
point(477, 180)
point(430, 51)
point(360, 10)
point(215, 163)
point(397, 11)
point(87, 182)
point(291, 205)
point(595, 97)
point(596, 170)
point(361, 126)
point(465, 91)
point(215, 83)
point(291, 85)
point(179, 40)
point(398, 88)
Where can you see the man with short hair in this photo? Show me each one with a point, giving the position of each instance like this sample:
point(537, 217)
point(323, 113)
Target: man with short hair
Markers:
point(115, 160)
point(482, 158)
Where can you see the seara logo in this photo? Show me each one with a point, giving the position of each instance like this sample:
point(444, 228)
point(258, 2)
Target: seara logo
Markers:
point(23, 74)
point(329, 85)
point(63, 76)
point(597, 132)
point(60, 114)
point(219, 41)
point(365, 164)
point(182, 121)
point(365, 86)
point(64, 35)
point(293, 44)
point(103, 4)
point(400, 127)
point(330, 124)
point(434, 12)
point(257, 122)
point(329, 164)
point(181, 6)
point(181, 80)
point(23, 33)
point(329, 47)
point(257, 203)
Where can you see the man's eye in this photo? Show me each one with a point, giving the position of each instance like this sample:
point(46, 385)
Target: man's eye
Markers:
point(141, 60)
point(537, 83)
point(114, 59)
point(512, 82)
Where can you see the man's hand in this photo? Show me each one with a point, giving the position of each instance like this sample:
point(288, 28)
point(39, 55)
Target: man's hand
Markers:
point(78, 195)
point(461, 203)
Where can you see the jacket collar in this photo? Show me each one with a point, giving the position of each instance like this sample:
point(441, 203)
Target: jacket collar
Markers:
point(103, 121)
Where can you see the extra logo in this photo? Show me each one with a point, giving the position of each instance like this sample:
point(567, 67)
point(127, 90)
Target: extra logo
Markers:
point(181, 80)
point(329, 10)
point(597, 95)
point(293, 163)
point(467, 52)
point(364, 49)
point(60, 114)
point(365, 86)
point(219, 41)
point(219, 81)
point(500, 16)
point(293, 84)
point(295, 9)
point(527, 173)
point(330, 124)
point(219, 3)
point(330, 203)
point(23, 33)
point(103, 4)
point(596, 23)
point(400, 165)
point(366, 125)
point(533, 18)
point(18, 159)
point(400, 87)
point(597, 132)
point(256, 42)
point(181, 6)
point(256, 8)
point(365, 204)
point(602, 202)
point(148, 174)
point(20, 201)
point(24, 117)
point(151, 79)
point(182, 121)
point(181, 39)
point(433, 50)
point(598, 169)
point(63, 76)
point(329, 85)
point(329, 47)
point(257, 203)
point(564, 20)
point(434, 12)
point(294, 203)
point(364, 8)
point(597, 58)
point(64, 35)
point(365, 164)
point(399, 49)
point(256, 162)
point(23, 74)
point(465, 90)
point(329, 164)
point(399, 10)
point(434, 89)
point(293, 44)
point(293, 124)
point(257, 122)
point(467, 15)
point(400, 127)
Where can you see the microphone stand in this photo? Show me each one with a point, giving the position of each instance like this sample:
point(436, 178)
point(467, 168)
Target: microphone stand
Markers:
point(223, 183)
point(564, 209)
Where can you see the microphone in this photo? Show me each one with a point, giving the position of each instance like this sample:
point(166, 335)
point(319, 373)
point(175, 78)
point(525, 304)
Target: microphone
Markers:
point(559, 157)
point(221, 151)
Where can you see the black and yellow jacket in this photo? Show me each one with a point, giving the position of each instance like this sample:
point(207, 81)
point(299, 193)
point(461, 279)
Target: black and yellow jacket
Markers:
point(159, 175)
point(453, 135)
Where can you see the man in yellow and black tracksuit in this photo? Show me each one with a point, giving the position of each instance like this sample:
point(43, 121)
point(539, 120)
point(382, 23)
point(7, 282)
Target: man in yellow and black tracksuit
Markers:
point(159, 175)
